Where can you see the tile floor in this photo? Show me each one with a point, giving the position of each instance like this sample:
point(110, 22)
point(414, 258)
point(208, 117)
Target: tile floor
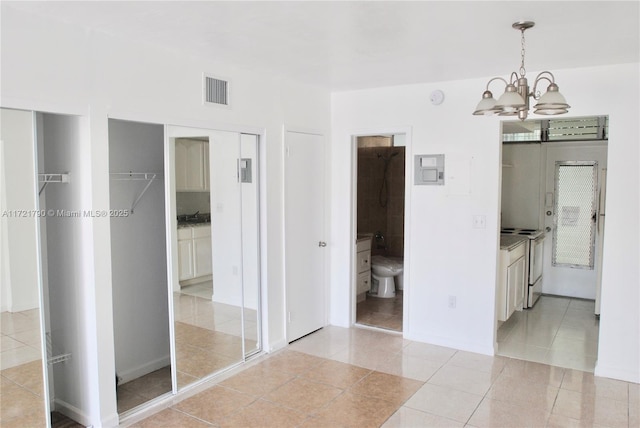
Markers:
point(208, 339)
point(381, 312)
point(340, 377)
point(559, 331)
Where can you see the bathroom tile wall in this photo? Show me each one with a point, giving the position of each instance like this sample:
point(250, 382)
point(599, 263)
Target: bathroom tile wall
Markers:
point(372, 216)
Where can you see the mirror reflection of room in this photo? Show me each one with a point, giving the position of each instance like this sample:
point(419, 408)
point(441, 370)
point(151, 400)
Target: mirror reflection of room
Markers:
point(208, 330)
point(21, 367)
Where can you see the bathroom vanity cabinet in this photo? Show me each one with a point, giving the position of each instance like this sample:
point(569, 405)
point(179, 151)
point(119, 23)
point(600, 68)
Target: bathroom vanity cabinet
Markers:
point(363, 266)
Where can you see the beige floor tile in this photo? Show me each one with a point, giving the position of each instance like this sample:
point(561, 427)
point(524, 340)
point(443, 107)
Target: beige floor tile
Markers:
point(7, 343)
point(587, 383)
point(591, 408)
point(353, 410)
point(557, 421)
point(151, 385)
point(20, 403)
point(513, 390)
point(336, 373)
point(214, 404)
point(36, 418)
point(127, 400)
point(292, 362)
point(482, 363)
point(406, 417)
point(263, 413)
point(445, 402)
point(435, 353)
point(17, 356)
point(257, 380)
point(170, 418)
point(492, 413)
point(534, 372)
point(467, 380)
point(362, 357)
point(634, 405)
point(28, 376)
point(409, 366)
point(303, 395)
point(386, 387)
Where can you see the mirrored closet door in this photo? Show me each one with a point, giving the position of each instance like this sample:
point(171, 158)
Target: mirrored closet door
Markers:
point(214, 240)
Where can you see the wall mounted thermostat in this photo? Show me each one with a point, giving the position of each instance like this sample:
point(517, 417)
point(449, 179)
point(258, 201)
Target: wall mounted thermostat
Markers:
point(429, 169)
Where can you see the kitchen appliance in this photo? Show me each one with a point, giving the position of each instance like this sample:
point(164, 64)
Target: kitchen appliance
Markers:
point(533, 268)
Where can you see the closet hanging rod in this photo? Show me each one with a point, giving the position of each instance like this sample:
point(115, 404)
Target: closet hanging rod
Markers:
point(136, 176)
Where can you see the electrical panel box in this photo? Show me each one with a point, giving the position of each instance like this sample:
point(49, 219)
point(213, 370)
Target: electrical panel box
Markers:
point(245, 170)
point(429, 169)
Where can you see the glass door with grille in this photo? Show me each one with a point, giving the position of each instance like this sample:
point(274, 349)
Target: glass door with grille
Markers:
point(570, 209)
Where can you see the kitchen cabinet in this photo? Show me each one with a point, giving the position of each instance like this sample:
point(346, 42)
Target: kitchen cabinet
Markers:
point(192, 165)
point(363, 266)
point(194, 253)
point(511, 276)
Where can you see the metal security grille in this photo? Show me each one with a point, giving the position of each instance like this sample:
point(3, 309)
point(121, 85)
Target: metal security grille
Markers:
point(574, 232)
point(216, 91)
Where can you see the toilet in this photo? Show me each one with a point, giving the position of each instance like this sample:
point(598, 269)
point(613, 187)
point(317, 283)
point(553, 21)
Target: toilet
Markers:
point(387, 276)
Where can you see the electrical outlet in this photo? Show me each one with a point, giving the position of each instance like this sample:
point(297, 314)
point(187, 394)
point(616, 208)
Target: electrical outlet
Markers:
point(479, 221)
point(452, 302)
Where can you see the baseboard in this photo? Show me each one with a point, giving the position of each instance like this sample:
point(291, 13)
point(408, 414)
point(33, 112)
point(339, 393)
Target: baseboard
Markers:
point(611, 372)
point(125, 376)
point(277, 345)
point(71, 411)
point(478, 348)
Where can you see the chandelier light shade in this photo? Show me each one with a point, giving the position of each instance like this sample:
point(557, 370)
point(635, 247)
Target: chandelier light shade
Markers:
point(515, 99)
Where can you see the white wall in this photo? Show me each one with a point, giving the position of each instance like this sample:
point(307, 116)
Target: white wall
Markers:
point(19, 275)
point(56, 67)
point(138, 251)
point(446, 255)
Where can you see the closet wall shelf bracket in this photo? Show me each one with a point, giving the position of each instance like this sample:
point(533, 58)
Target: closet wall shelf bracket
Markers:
point(59, 358)
point(136, 176)
point(52, 178)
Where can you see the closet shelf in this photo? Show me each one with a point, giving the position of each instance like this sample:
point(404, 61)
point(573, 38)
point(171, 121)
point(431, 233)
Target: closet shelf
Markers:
point(136, 176)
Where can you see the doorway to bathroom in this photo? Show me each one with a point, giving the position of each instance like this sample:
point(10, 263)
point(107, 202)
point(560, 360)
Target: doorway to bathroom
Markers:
point(379, 188)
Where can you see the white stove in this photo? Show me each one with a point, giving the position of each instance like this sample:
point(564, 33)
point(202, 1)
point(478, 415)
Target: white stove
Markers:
point(529, 233)
point(533, 288)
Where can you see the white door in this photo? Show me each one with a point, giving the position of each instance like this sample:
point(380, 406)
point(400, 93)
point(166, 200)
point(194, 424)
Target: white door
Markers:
point(567, 255)
point(304, 233)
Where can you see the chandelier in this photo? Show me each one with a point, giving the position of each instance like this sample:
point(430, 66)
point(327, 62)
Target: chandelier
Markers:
point(515, 100)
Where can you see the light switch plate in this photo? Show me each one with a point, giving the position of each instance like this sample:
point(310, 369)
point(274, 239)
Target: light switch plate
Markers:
point(479, 221)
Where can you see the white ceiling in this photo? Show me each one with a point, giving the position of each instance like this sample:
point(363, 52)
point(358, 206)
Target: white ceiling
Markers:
point(353, 45)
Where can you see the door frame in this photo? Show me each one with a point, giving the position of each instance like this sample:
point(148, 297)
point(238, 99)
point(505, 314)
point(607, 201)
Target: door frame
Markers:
point(408, 173)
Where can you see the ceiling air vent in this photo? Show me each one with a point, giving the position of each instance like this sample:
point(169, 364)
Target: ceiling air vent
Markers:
point(216, 91)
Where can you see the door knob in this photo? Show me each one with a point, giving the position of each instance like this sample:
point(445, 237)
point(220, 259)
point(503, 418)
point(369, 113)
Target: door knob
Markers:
point(548, 229)
point(322, 244)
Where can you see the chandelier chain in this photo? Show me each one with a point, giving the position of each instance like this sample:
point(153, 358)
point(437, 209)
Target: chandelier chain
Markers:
point(522, 51)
